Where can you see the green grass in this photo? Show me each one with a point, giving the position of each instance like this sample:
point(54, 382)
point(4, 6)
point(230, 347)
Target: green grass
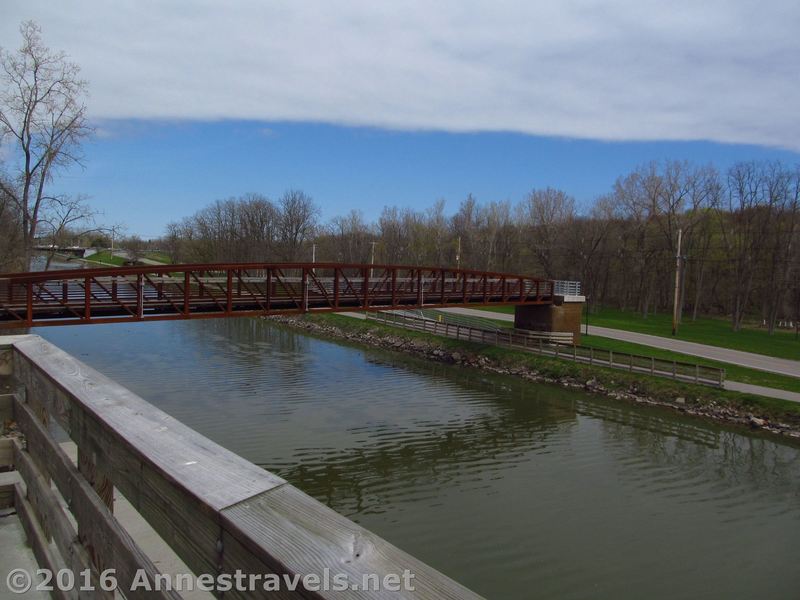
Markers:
point(159, 256)
point(732, 372)
point(104, 257)
point(661, 389)
point(705, 330)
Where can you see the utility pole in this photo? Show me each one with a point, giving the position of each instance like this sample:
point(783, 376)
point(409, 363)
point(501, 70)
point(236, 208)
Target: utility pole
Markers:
point(678, 269)
point(587, 316)
point(458, 254)
point(372, 258)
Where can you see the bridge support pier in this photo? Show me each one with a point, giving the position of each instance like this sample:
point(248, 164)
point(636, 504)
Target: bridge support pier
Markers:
point(563, 315)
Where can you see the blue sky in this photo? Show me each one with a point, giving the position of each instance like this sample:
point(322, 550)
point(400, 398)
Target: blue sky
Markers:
point(363, 103)
point(145, 174)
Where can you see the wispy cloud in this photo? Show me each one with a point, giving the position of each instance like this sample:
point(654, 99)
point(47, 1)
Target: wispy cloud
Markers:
point(721, 70)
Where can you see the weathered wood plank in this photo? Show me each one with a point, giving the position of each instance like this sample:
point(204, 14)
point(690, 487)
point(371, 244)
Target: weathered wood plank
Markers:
point(7, 341)
point(107, 542)
point(237, 557)
point(53, 519)
point(290, 532)
point(219, 512)
point(6, 408)
point(6, 453)
point(37, 540)
point(7, 482)
point(176, 478)
point(95, 469)
point(203, 468)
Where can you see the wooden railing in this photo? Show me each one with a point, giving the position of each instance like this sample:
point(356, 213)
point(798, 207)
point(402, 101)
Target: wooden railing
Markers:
point(218, 512)
point(559, 345)
point(473, 333)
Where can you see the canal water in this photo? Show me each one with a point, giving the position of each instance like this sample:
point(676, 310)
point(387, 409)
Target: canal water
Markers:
point(516, 490)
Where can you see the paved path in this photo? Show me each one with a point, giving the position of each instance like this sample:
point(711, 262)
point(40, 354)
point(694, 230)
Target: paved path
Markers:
point(737, 357)
point(759, 390)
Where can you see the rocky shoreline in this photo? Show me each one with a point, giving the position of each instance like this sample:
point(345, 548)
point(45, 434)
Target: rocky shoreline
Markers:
point(421, 348)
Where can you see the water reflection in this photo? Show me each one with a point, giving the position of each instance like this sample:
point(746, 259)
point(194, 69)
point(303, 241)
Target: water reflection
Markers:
point(517, 490)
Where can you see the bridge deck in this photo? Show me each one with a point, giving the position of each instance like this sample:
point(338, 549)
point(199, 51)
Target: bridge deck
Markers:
point(223, 290)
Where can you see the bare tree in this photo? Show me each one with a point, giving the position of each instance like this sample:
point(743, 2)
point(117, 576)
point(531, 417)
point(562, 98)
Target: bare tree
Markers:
point(135, 249)
point(68, 220)
point(351, 238)
point(297, 222)
point(10, 234)
point(43, 116)
point(548, 214)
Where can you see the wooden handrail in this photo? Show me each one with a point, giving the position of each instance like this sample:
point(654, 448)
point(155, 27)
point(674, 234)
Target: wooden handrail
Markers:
point(218, 512)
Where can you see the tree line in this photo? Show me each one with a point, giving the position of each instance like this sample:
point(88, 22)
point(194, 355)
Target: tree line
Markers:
point(740, 238)
point(739, 227)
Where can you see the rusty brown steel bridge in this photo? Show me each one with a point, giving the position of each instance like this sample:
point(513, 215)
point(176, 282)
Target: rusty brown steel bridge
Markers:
point(201, 291)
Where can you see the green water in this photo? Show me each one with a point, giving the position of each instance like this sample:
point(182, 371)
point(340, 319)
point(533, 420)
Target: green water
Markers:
point(514, 489)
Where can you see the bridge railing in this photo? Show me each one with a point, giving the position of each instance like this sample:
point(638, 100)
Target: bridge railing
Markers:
point(552, 344)
point(203, 291)
point(220, 514)
point(566, 288)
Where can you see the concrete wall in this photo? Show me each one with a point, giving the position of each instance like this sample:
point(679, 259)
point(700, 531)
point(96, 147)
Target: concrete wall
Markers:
point(561, 316)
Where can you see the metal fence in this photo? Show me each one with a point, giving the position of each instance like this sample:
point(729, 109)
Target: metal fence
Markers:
point(471, 333)
point(559, 345)
point(567, 288)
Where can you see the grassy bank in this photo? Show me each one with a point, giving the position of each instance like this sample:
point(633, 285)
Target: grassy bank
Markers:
point(732, 372)
point(727, 405)
point(705, 330)
point(105, 258)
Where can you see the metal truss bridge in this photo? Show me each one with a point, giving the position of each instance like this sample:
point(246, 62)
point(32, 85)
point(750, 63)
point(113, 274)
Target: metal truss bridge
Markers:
point(201, 291)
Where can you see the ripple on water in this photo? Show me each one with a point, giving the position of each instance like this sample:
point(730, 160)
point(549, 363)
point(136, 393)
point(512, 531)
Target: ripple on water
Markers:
point(517, 490)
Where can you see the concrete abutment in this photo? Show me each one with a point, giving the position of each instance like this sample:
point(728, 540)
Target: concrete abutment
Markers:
point(564, 315)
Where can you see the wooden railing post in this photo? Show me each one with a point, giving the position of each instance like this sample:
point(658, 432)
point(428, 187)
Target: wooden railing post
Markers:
point(97, 476)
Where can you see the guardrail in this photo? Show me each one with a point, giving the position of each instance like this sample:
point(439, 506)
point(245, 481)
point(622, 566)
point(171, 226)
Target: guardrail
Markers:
point(221, 514)
point(566, 288)
point(552, 344)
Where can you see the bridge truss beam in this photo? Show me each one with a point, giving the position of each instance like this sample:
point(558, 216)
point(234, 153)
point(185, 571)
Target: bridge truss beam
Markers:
point(201, 291)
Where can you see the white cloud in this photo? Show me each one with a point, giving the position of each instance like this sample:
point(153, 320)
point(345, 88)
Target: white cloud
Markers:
point(722, 70)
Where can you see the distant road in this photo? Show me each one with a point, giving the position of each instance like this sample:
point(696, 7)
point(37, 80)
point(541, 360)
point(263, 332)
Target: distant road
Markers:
point(761, 362)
